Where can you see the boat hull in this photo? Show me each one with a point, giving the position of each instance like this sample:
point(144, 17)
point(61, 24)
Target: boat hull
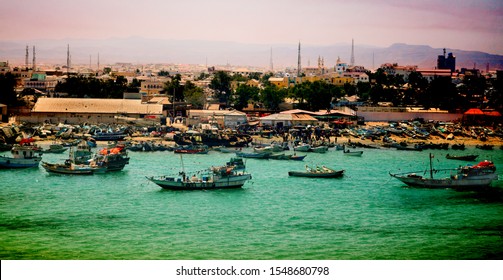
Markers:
point(335, 174)
point(171, 183)
point(8, 162)
point(451, 182)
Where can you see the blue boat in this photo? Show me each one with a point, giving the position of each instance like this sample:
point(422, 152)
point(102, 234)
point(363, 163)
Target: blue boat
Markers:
point(22, 157)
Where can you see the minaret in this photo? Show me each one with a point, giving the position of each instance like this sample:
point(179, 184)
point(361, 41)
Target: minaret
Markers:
point(298, 63)
point(98, 62)
point(34, 60)
point(352, 52)
point(26, 57)
point(67, 59)
point(271, 65)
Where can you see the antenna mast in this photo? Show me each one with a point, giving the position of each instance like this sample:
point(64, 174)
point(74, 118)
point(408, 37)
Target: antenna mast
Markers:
point(271, 65)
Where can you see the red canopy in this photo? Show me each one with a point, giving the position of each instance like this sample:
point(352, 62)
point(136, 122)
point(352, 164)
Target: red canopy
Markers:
point(492, 113)
point(474, 111)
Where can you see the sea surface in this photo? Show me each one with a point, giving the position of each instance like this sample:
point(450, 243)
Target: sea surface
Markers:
point(365, 215)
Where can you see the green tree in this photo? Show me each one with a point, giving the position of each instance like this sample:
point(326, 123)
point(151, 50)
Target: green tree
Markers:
point(7, 92)
point(194, 95)
point(174, 88)
point(271, 97)
point(245, 93)
point(221, 84)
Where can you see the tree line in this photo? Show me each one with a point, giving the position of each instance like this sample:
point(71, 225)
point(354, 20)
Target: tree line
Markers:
point(441, 92)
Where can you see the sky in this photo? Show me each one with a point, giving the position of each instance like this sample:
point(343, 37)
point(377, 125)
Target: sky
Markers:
point(462, 24)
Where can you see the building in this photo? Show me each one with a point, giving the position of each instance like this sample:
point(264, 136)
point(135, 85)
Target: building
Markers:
point(223, 118)
point(41, 82)
point(448, 62)
point(89, 110)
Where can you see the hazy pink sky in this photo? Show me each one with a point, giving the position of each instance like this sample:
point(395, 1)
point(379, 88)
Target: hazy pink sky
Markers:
point(462, 24)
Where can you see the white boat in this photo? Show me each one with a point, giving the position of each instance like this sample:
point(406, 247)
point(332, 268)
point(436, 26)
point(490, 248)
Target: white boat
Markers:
point(22, 157)
point(480, 175)
point(222, 177)
point(303, 147)
point(319, 149)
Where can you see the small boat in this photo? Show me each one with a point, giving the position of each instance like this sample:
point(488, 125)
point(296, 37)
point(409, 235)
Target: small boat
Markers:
point(317, 172)
point(114, 159)
point(296, 157)
point(465, 157)
point(70, 168)
point(487, 147)
point(228, 176)
point(458, 146)
point(319, 149)
point(191, 149)
point(55, 149)
point(109, 136)
point(353, 153)
point(22, 157)
point(480, 175)
point(253, 155)
point(303, 147)
point(81, 154)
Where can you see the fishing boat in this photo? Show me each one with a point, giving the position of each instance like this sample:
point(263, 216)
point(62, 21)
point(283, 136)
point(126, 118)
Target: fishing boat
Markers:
point(253, 155)
point(109, 136)
point(465, 157)
point(55, 149)
point(22, 157)
point(303, 147)
point(81, 154)
point(480, 175)
point(318, 149)
point(71, 168)
point(353, 153)
point(114, 159)
point(191, 149)
point(317, 172)
point(228, 176)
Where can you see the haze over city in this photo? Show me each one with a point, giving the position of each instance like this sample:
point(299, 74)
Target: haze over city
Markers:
point(249, 25)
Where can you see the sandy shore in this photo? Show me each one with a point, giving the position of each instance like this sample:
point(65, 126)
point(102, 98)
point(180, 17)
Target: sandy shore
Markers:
point(468, 141)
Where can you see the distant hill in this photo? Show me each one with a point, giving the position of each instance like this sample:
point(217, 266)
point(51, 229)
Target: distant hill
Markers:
point(144, 50)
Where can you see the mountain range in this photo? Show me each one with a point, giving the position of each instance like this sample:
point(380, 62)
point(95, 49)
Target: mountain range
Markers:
point(213, 53)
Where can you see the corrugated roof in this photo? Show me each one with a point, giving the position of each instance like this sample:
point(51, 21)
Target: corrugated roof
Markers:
point(95, 105)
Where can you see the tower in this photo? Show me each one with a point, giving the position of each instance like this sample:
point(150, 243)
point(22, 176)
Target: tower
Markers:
point(352, 52)
point(298, 63)
point(68, 59)
point(98, 61)
point(26, 57)
point(34, 61)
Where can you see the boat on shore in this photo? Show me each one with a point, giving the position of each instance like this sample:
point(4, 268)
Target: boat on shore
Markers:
point(229, 176)
point(22, 157)
point(480, 175)
point(464, 157)
point(317, 172)
point(191, 149)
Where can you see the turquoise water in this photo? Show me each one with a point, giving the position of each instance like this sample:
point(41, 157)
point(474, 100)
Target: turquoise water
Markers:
point(364, 215)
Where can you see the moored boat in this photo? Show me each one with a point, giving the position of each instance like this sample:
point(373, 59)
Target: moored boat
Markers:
point(70, 168)
point(229, 176)
point(22, 157)
point(317, 172)
point(480, 175)
point(465, 157)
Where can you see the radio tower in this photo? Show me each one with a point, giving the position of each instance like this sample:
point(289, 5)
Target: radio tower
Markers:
point(298, 63)
point(26, 57)
point(34, 59)
point(352, 52)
